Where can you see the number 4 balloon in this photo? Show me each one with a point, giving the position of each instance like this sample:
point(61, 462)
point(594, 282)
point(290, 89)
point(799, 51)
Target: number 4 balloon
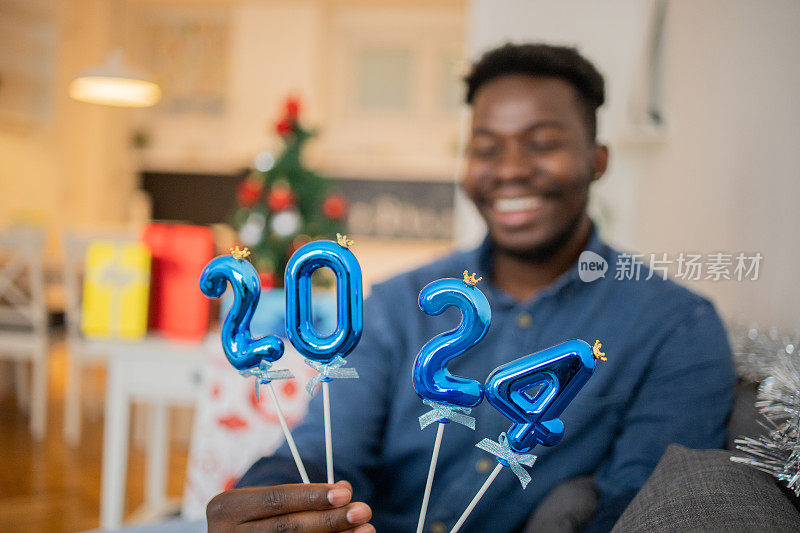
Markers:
point(532, 392)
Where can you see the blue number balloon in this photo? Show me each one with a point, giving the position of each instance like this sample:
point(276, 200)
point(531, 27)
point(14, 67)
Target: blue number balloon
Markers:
point(556, 375)
point(349, 301)
point(432, 380)
point(240, 348)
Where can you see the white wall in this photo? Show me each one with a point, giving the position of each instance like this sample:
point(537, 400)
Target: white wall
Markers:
point(309, 48)
point(74, 168)
point(727, 176)
point(275, 52)
point(723, 176)
point(587, 25)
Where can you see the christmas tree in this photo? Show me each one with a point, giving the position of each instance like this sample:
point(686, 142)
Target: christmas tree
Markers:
point(286, 205)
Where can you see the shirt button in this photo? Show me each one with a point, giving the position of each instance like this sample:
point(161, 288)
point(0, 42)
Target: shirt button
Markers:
point(524, 320)
point(438, 527)
point(483, 465)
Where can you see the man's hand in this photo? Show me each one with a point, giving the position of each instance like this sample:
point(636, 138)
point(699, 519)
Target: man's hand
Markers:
point(316, 507)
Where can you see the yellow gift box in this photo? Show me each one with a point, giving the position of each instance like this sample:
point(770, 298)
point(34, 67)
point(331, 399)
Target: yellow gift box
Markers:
point(116, 290)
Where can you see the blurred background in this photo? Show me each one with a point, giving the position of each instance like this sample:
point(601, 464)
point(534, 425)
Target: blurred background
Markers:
point(270, 122)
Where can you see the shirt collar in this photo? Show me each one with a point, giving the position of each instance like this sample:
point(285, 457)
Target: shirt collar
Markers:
point(480, 261)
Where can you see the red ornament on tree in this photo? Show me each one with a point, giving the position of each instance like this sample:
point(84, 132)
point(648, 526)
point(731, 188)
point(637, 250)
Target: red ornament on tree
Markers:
point(284, 127)
point(248, 192)
point(334, 207)
point(292, 107)
point(267, 279)
point(280, 198)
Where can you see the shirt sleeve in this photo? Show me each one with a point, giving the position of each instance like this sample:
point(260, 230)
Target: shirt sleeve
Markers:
point(358, 412)
point(685, 397)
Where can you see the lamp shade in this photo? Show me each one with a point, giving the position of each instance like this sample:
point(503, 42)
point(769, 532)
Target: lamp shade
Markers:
point(116, 84)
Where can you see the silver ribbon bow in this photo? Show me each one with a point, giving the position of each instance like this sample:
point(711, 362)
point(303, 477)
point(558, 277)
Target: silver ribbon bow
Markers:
point(328, 371)
point(442, 411)
point(264, 375)
point(509, 457)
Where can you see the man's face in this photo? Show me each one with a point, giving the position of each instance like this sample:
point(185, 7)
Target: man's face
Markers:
point(531, 159)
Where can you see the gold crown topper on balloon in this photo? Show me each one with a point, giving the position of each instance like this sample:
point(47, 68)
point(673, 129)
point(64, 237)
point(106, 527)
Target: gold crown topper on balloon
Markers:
point(469, 279)
point(240, 253)
point(596, 351)
point(343, 240)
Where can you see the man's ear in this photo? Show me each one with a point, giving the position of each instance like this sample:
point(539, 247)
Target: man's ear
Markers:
point(600, 161)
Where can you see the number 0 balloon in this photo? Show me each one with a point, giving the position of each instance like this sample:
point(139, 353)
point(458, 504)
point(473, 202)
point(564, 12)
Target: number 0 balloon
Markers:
point(325, 354)
point(349, 301)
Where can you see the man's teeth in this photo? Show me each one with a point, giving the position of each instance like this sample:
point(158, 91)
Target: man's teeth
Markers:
point(525, 203)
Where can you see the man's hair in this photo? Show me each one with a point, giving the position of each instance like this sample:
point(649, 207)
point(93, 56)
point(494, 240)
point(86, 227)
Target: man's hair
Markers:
point(542, 60)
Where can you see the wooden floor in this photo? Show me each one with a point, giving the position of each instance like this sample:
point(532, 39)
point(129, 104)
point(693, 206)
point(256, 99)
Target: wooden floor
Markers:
point(51, 487)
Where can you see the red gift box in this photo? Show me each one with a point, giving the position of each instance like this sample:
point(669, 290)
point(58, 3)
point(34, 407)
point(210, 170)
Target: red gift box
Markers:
point(177, 307)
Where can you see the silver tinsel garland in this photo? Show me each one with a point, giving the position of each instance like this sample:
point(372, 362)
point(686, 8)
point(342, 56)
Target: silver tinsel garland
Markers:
point(757, 352)
point(773, 359)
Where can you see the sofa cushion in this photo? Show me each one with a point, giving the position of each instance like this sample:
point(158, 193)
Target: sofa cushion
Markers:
point(566, 509)
point(702, 490)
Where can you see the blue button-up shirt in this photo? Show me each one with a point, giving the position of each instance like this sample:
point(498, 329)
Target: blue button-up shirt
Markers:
point(668, 379)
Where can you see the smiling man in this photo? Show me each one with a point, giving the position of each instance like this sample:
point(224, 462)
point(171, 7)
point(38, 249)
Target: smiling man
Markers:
point(532, 159)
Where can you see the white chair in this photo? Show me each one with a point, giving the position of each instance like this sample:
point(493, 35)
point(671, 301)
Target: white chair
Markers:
point(82, 352)
point(158, 373)
point(23, 318)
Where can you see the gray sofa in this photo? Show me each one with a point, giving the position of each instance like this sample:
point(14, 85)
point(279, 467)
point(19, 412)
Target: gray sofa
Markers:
point(689, 490)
